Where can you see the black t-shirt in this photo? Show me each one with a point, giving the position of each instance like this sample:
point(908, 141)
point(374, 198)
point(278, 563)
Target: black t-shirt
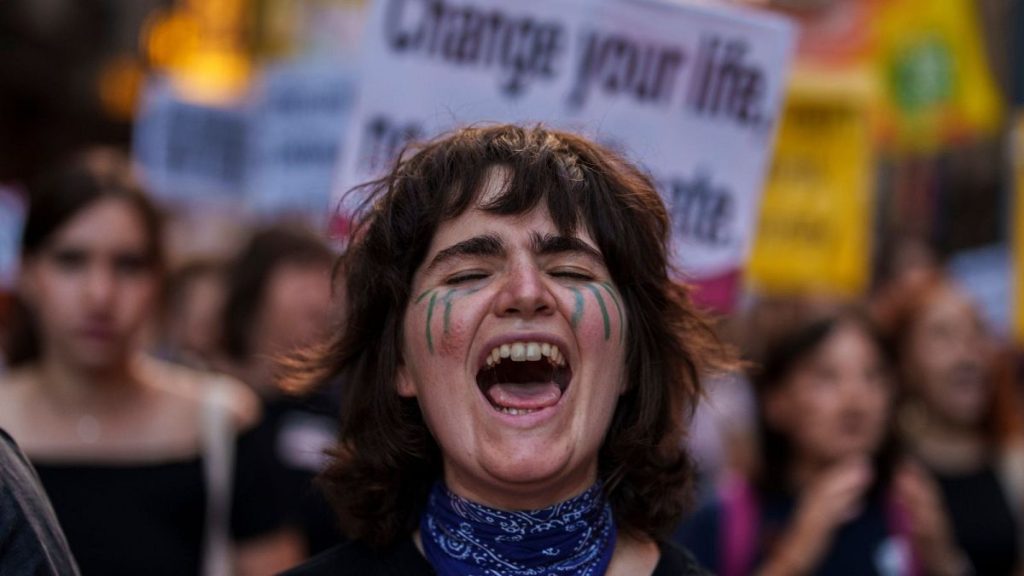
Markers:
point(130, 519)
point(982, 521)
point(403, 559)
point(863, 546)
point(31, 541)
point(294, 434)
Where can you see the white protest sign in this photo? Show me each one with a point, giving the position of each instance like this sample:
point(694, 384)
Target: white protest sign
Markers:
point(693, 92)
point(298, 120)
point(12, 221)
point(986, 273)
point(191, 152)
point(271, 153)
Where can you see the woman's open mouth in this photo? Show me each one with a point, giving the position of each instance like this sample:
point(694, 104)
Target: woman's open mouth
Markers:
point(520, 378)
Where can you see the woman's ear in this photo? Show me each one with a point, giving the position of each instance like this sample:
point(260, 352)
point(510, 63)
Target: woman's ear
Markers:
point(403, 383)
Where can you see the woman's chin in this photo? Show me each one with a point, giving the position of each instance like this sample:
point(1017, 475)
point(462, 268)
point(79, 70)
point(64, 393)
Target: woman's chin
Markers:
point(526, 469)
point(530, 480)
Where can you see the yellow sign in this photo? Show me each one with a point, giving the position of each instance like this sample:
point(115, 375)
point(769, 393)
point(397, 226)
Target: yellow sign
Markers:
point(938, 86)
point(814, 233)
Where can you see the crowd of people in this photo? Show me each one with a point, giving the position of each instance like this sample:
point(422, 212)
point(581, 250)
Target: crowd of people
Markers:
point(497, 376)
point(887, 441)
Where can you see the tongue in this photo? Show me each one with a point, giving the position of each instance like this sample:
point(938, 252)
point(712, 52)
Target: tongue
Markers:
point(529, 396)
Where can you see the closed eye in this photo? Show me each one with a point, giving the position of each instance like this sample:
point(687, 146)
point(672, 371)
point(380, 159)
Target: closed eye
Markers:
point(70, 259)
point(464, 277)
point(573, 275)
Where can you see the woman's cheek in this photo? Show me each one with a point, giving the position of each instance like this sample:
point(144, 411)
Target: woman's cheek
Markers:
point(596, 313)
point(445, 322)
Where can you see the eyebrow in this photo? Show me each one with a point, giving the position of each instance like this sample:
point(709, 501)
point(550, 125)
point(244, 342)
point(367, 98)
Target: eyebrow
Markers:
point(550, 244)
point(491, 245)
point(483, 245)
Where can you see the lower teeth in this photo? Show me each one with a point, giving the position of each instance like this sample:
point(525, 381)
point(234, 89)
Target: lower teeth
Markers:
point(515, 411)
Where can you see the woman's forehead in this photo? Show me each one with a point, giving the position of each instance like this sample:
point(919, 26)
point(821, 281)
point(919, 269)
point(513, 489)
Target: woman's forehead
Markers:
point(108, 221)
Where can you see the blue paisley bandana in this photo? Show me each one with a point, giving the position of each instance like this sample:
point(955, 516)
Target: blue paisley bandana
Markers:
point(462, 538)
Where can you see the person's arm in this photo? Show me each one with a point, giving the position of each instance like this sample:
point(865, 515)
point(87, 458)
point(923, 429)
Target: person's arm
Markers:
point(31, 541)
point(271, 553)
point(930, 532)
point(832, 500)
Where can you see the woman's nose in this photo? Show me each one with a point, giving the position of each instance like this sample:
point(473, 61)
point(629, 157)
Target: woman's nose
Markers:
point(524, 293)
point(99, 288)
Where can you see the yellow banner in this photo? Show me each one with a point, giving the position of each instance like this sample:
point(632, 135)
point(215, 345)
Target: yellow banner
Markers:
point(814, 234)
point(931, 58)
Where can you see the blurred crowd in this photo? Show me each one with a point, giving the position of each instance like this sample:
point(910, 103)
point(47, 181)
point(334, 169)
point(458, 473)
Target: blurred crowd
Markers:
point(863, 435)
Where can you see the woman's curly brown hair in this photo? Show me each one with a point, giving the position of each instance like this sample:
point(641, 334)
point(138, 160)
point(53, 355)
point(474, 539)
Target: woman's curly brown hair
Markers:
point(386, 459)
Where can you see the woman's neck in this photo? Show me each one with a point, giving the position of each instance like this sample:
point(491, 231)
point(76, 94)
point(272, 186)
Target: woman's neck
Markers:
point(257, 372)
point(949, 448)
point(66, 384)
point(805, 472)
point(495, 493)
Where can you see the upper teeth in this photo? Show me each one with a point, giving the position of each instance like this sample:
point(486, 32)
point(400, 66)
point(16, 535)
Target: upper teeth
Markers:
point(523, 351)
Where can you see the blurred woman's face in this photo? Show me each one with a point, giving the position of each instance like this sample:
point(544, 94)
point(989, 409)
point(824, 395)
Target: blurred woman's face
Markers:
point(947, 359)
point(836, 403)
point(92, 286)
point(296, 308)
point(196, 323)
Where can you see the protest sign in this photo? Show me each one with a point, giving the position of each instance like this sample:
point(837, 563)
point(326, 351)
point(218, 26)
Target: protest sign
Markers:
point(814, 233)
point(938, 86)
point(984, 273)
point(690, 91)
point(12, 220)
point(300, 114)
point(191, 152)
point(272, 153)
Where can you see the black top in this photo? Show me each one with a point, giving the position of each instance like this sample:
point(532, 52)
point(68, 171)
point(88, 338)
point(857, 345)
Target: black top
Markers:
point(982, 520)
point(295, 434)
point(403, 559)
point(863, 546)
point(30, 538)
point(149, 518)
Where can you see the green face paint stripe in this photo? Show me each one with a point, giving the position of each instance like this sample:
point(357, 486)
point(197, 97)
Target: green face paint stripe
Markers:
point(615, 299)
point(430, 314)
point(604, 310)
point(577, 311)
point(448, 298)
point(424, 295)
point(448, 307)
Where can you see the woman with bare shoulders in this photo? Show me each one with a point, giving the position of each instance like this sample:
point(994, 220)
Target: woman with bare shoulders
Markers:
point(140, 459)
